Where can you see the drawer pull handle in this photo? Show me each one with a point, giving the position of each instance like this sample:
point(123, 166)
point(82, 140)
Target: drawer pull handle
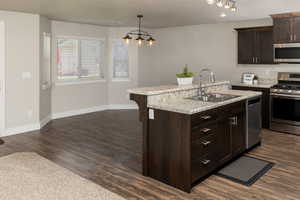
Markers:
point(205, 130)
point(205, 162)
point(205, 143)
point(206, 117)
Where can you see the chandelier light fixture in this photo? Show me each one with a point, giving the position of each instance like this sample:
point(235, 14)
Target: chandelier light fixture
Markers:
point(141, 35)
point(227, 4)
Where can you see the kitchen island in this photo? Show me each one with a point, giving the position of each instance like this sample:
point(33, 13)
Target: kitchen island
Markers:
point(185, 140)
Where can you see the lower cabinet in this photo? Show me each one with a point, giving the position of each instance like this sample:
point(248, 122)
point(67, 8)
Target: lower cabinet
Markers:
point(265, 110)
point(184, 149)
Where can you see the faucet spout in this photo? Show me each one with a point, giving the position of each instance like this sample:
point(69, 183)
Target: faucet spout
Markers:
point(211, 79)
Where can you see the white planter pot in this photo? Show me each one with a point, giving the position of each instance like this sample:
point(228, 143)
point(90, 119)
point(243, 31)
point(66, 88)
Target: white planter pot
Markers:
point(185, 81)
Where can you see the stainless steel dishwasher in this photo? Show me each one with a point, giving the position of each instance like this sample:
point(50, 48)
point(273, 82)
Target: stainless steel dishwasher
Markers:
point(254, 124)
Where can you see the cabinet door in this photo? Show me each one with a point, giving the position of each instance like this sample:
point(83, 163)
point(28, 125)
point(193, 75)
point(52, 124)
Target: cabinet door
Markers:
point(264, 46)
point(282, 30)
point(296, 29)
point(246, 43)
point(238, 133)
point(224, 140)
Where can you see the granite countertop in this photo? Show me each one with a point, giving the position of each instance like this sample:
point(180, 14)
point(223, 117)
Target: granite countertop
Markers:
point(187, 106)
point(259, 85)
point(148, 91)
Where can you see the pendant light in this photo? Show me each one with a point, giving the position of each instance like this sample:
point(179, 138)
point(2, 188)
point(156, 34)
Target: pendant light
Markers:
point(141, 35)
point(227, 4)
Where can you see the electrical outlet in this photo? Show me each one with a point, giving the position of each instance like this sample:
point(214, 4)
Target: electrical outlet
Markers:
point(151, 114)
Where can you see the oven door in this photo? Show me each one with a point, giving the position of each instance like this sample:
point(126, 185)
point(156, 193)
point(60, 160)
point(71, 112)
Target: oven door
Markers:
point(287, 53)
point(285, 109)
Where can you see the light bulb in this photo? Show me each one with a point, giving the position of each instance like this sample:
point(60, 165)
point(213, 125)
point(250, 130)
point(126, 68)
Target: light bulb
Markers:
point(150, 41)
point(219, 3)
point(227, 4)
point(127, 39)
point(210, 2)
point(140, 42)
point(233, 7)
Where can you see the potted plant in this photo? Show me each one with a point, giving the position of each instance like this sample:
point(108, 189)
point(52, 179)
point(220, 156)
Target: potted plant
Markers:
point(186, 77)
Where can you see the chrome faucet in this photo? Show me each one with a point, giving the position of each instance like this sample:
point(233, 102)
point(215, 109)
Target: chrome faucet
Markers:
point(211, 79)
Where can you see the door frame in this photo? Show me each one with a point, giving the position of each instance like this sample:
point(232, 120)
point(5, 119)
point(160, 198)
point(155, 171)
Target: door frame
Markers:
point(2, 78)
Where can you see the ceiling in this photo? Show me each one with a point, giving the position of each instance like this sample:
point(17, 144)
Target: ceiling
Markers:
point(158, 13)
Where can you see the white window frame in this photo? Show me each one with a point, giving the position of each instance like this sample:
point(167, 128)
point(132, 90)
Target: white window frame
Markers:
point(83, 80)
point(113, 79)
point(46, 67)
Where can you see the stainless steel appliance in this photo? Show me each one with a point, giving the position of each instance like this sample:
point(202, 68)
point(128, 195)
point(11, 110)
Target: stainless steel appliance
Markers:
point(287, 53)
point(285, 103)
point(248, 78)
point(253, 122)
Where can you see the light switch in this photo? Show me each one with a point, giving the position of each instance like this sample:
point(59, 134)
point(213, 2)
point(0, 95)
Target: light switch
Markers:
point(26, 75)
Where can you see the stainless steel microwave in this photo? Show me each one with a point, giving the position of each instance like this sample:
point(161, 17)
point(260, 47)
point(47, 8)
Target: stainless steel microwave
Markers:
point(287, 53)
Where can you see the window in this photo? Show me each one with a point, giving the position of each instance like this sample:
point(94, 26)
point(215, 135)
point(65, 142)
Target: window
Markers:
point(120, 60)
point(46, 69)
point(79, 59)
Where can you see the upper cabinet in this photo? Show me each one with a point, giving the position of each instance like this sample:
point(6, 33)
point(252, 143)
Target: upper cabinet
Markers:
point(255, 45)
point(286, 28)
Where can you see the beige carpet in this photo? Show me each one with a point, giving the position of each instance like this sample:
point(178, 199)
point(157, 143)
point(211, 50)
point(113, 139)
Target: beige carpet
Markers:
point(28, 176)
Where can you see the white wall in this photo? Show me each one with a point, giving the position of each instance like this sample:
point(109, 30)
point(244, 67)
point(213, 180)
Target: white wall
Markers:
point(72, 98)
point(22, 95)
point(208, 45)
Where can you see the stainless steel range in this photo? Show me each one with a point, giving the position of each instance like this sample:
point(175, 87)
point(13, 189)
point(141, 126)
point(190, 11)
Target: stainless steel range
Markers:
point(285, 103)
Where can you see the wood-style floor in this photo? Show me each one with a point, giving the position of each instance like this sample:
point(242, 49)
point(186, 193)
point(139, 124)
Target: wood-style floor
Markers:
point(105, 147)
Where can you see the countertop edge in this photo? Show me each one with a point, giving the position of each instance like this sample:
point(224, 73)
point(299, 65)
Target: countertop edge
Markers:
point(207, 107)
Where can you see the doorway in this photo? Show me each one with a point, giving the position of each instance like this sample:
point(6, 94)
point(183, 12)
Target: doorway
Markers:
point(2, 78)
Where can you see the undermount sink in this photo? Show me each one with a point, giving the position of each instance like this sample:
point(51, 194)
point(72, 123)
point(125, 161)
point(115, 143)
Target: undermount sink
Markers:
point(213, 97)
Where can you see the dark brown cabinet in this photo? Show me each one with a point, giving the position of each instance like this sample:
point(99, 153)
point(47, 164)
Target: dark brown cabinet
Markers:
point(265, 109)
point(286, 28)
point(255, 45)
point(237, 133)
point(183, 149)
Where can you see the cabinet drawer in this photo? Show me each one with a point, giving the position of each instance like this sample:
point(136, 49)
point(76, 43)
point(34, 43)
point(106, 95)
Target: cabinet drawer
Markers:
point(204, 130)
point(203, 146)
point(204, 117)
point(203, 166)
point(235, 108)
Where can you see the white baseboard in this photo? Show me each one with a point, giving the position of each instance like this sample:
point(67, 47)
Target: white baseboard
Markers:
point(45, 121)
point(78, 112)
point(122, 106)
point(21, 129)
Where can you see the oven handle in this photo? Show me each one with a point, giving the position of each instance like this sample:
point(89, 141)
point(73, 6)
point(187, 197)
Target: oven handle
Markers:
point(285, 96)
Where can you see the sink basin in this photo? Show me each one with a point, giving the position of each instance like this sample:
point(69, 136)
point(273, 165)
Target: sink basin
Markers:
point(213, 97)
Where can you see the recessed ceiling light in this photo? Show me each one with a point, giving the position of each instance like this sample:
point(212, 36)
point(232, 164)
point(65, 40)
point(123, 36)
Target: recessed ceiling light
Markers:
point(223, 15)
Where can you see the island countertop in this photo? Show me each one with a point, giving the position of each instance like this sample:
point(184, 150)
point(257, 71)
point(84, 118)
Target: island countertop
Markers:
point(157, 90)
point(188, 106)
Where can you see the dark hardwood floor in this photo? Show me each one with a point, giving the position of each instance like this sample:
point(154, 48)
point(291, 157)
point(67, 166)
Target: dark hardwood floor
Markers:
point(105, 147)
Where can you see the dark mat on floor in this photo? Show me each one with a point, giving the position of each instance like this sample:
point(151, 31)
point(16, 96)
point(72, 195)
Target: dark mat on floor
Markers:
point(246, 170)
